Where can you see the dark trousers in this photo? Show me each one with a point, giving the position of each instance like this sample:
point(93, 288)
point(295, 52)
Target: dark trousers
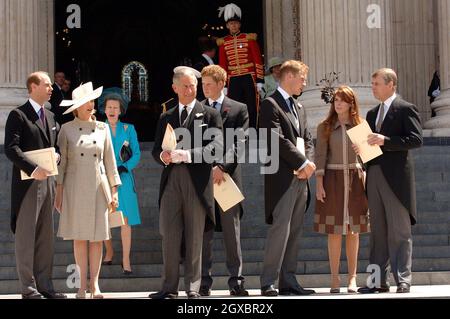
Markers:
point(243, 89)
point(34, 238)
point(231, 229)
point(390, 239)
point(181, 212)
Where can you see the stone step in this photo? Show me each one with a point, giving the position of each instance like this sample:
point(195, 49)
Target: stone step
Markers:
point(432, 177)
point(220, 269)
point(429, 224)
point(155, 257)
point(252, 225)
point(152, 284)
point(142, 245)
point(435, 205)
point(150, 221)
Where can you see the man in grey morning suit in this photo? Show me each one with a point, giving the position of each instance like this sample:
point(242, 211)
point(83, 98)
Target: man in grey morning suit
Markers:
point(286, 194)
point(32, 127)
point(186, 191)
point(391, 183)
point(235, 119)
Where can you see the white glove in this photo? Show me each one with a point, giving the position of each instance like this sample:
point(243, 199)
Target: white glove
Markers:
point(225, 91)
point(180, 156)
point(436, 93)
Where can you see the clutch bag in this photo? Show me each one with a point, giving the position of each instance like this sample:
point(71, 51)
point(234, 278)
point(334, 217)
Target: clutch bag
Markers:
point(115, 219)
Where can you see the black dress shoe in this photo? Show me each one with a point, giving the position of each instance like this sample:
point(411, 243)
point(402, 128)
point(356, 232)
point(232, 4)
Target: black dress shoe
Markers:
point(238, 291)
point(33, 295)
point(297, 291)
point(53, 295)
point(193, 295)
point(403, 288)
point(205, 291)
point(367, 290)
point(163, 295)
point(269, 291)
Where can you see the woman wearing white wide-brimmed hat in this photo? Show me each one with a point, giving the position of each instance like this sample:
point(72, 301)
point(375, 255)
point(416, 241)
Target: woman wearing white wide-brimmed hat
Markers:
point(86, 185)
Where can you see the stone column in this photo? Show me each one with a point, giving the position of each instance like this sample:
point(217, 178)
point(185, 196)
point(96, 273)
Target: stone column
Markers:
point(282, 29)
point(440, 125)
point(336, 37)
point(331, 36)
point(26, 45)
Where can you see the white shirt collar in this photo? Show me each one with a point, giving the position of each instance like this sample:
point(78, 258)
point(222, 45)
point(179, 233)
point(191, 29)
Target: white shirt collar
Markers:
point(219, 100)
point(210, 61)
point(387, 106)
point(388, 102)
point(285, 94)
point(35, 105)
point(190, 106)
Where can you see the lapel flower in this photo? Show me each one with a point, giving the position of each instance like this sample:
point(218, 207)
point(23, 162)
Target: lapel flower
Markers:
point(199, 115)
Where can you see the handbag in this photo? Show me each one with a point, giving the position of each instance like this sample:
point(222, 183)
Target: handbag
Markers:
point(125, 152)
point(115, 218)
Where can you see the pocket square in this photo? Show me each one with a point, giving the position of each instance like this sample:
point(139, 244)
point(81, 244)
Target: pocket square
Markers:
point(53, 128)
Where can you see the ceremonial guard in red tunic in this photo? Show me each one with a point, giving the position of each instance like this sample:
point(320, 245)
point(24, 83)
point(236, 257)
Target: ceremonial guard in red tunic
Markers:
point(240, 56)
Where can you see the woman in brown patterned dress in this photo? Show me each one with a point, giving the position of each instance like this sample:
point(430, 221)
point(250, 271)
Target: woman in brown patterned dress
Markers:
point(341, 205)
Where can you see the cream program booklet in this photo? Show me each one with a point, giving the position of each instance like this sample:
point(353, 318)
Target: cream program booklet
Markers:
point(358, 135)
point(170, 139)
point(44, 158)
point(227, 194)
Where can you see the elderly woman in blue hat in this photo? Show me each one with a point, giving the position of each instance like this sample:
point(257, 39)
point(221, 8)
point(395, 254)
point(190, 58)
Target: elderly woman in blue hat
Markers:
point(127, 153)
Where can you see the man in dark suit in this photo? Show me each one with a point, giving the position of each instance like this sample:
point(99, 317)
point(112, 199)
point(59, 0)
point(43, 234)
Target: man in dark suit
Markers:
point(208, 48)
point(286, 191)
point(32, 127)
point(235, 121)
point(57, 96)
point(186, 192)
point(391, 183)
point(67, 89)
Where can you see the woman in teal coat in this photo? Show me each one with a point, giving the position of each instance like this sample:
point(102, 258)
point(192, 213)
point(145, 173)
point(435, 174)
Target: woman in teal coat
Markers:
point(123, 135)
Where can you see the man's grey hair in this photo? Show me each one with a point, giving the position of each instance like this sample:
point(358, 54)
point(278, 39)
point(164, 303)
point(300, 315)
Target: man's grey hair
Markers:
point(178, 74)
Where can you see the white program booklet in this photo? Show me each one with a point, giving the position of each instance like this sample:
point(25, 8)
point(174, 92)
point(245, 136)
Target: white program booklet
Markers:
point(359, 135)
point(227, 194)
point(300, 147)
point(44, 158)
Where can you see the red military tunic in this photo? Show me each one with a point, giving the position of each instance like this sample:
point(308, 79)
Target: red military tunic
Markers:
point(239, 55)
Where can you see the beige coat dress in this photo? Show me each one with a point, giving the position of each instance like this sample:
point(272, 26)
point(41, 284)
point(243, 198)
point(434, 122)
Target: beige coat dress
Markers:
point(87, 168)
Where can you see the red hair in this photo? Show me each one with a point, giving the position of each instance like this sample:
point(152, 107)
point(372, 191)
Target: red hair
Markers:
point(346, 94)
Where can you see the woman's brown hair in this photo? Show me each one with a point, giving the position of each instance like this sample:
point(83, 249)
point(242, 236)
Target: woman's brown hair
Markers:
point(346, 94)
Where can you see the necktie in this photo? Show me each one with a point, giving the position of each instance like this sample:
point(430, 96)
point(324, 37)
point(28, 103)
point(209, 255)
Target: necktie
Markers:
point(291, 104)
point(381, 118)
point(42, 116)
point(184, 115)
point(216, 105)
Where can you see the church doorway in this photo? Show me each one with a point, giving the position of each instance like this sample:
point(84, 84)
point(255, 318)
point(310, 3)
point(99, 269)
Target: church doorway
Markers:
point(135, 45)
